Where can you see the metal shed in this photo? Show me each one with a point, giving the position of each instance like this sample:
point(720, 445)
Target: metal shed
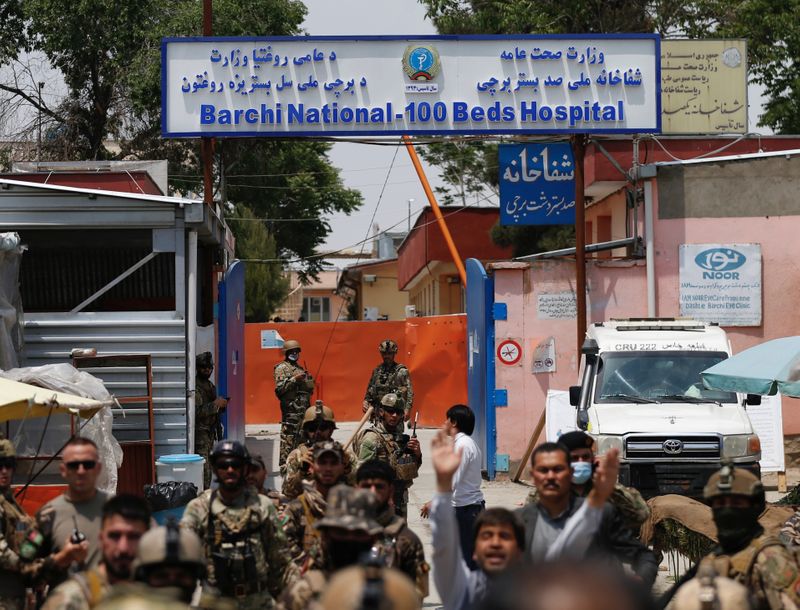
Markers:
point(118, 272)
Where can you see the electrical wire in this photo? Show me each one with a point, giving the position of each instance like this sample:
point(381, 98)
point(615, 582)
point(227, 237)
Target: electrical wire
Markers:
point(710, 152)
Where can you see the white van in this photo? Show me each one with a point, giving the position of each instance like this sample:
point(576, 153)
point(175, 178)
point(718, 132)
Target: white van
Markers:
point(641, 392)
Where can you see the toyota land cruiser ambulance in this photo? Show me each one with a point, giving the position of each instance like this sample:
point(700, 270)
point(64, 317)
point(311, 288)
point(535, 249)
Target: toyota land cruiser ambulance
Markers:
point(641, 392)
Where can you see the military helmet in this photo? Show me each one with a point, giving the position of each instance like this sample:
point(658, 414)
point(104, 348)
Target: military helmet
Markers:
point(368, 588)
point(7, 449)
point(290, 345)
point(351, 509)
point(319, 413)
point(708, 591)
point(392, 402)
point(388, 347)
point(731, 481)
point(226, 448)
point(169, 545)
point(204, 361)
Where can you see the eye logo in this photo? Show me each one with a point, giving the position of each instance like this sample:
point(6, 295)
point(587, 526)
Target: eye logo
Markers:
point(720, 259)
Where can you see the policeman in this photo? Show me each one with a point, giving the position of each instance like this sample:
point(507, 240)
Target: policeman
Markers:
point(19, 541)
point(170, 557)
point(302, 514)
point(208, 405)
point(389, 377)
point(401, 547)
point(745, 553)
point(627, 500)
point(349, 531)
point(293, 387)
point(318, 425)
point(383, 441)
point(369, 587)
point(242, 538)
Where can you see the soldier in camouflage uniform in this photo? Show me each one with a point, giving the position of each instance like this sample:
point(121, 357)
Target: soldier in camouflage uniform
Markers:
point(293, 387)
point(389, 377)
point(627, 500)
point(318, 425)
point(126, 518)
point(19, 540)
point(401, 548)
point(257, 475)
point(349, 531)
point(302, 514)
point(207, 407)
point(242, 537)
point(745, 553)
point(383, 441)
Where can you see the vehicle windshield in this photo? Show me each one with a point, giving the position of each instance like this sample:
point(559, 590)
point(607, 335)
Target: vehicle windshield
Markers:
point(664, 376)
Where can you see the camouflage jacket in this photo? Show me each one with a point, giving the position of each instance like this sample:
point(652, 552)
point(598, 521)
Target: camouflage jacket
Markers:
point(295, 472)
point(18, 566)
point(768, 570)
point(627, 500)
point(207, 416)
point(81, 592)
point(790, 531)
point(403, 550)
point(306, 592)
point(376, 443)
point(250, 521)
point(387, 380)
point(304, 540)
point(287, 388)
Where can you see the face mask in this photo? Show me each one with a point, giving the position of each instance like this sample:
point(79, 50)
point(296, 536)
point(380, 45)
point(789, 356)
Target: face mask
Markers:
point(581, 472)
point(293, 357)
point(736, 526)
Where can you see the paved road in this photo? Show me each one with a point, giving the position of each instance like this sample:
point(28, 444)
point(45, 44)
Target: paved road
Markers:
point(264, 439)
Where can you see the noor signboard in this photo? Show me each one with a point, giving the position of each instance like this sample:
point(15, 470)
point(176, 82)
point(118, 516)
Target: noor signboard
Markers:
point(380, 85)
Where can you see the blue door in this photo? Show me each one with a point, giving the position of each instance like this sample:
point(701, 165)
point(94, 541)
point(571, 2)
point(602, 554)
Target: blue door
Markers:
point(480, 360)
point(230, 365)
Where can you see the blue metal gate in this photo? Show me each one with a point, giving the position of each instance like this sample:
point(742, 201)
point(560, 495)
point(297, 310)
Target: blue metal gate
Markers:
point(480, 373)
point(230, 365)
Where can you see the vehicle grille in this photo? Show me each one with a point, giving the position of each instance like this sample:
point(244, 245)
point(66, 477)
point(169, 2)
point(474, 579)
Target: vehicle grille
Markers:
point(653, 447)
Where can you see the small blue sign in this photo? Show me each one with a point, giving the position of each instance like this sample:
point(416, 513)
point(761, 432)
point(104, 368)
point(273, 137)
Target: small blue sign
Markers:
point(537, 184)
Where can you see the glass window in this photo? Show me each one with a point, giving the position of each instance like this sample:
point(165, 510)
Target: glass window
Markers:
point(656, 375)
point(317, 309)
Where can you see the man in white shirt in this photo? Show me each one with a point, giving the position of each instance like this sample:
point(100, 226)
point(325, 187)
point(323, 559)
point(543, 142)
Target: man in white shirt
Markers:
point(467, 495)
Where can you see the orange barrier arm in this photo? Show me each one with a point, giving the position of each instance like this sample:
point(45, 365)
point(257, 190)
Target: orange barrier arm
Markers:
point(451, 245)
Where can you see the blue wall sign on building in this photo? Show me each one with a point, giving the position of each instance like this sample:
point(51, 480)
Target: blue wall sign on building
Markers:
point(537, 184)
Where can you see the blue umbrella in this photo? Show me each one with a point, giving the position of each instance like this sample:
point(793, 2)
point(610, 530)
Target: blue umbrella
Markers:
point(764, 369)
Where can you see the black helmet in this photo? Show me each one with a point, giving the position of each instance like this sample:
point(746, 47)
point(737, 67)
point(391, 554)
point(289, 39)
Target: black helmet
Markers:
point(226, 448)
point(204, 361)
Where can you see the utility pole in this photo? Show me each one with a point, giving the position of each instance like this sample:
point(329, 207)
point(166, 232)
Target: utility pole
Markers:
point(578, 142)
point(410, 201)
point(39, 134)
point(207, 144)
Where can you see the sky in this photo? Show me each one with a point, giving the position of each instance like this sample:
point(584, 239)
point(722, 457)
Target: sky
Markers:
point(364, 166)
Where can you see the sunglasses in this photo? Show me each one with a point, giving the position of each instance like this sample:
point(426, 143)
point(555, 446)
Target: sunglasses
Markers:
point(87, 464)
point(225, 464)
point(8, 462)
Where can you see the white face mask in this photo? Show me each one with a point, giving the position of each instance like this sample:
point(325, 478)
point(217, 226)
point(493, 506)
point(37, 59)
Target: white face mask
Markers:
point(293, 357)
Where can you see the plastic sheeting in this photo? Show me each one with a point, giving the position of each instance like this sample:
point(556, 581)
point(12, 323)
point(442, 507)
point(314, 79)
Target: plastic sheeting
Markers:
point(173, 494)
point(27, 434)
point(11, 337)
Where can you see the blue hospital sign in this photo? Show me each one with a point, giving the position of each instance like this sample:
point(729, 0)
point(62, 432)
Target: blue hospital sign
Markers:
point(537, 184)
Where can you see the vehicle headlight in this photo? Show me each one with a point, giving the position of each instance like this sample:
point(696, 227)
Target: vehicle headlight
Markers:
point(604, 443)
point(740, 445)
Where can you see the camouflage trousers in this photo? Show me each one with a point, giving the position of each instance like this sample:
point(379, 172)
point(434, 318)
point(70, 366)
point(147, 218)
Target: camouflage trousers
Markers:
point(291, 418)
point(203, 444)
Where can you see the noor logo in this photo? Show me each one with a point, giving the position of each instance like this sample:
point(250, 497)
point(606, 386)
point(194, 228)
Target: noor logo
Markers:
point(421, 62)
point(672, 446)
point(719, 263)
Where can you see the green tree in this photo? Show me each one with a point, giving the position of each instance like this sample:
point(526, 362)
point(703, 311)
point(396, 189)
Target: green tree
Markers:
point(265, 283)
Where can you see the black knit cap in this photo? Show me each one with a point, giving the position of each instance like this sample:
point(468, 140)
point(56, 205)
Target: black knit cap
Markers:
point(577, 439)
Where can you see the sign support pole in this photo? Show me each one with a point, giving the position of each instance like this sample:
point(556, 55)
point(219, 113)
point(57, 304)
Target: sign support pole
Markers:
point(578, 151)
point(207, 144)
point(462, 274)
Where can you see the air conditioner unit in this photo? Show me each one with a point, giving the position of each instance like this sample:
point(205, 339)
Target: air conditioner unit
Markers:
point(411, 311)
point(369, 278)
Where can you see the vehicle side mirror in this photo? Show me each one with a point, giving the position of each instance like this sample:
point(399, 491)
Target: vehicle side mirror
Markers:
point(574, 395)
point(753, 399)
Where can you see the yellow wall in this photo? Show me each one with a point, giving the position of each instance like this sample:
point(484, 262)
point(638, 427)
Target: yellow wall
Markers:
point(383, 292)
point(434, 295)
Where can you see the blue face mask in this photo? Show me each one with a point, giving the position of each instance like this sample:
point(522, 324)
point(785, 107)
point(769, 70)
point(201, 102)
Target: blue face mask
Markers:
point(581, 472)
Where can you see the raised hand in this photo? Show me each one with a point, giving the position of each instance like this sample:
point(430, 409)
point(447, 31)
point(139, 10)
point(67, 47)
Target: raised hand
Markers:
point(604, 478)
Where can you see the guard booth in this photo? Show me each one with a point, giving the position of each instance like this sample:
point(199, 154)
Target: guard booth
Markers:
point(115, 272)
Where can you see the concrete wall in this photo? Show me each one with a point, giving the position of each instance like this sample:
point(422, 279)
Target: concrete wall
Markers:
point(383, 292)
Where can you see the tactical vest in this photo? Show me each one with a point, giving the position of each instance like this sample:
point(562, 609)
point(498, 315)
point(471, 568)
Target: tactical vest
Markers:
point(385, 381)
point(389, 451)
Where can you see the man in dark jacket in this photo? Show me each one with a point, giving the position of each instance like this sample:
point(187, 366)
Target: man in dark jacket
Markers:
point(544, 520)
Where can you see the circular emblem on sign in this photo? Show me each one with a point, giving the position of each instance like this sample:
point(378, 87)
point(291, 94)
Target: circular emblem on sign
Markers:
point(509, 352)
point(421, 62)
point(672, 446)
point(731, 57)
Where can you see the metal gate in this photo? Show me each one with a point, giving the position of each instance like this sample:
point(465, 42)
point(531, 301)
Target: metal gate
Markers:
point(230, 368)
point(480, 352)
